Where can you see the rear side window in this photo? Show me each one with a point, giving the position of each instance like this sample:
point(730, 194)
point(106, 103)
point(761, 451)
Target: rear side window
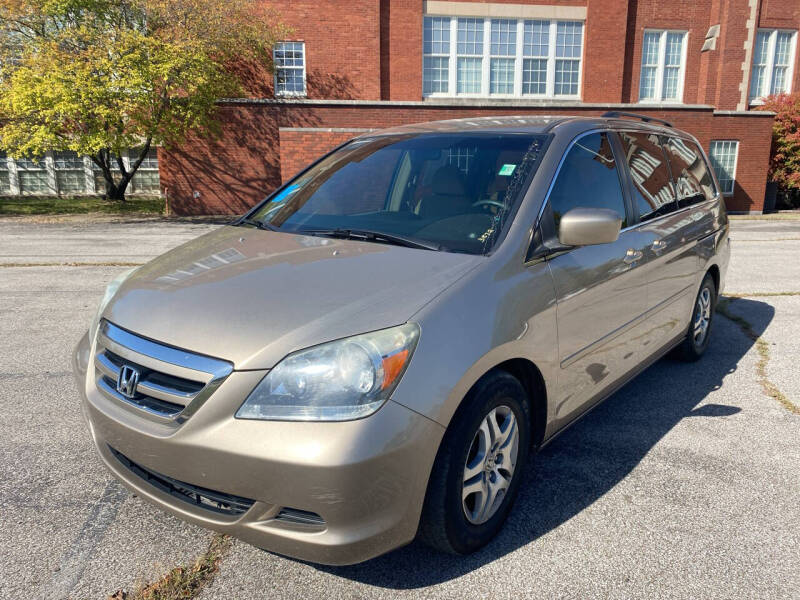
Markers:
point(588, 179)
point(693, 181)
point(652, 187)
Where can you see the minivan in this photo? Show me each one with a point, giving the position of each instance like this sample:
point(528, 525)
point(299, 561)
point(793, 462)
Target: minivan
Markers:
point(374, 352)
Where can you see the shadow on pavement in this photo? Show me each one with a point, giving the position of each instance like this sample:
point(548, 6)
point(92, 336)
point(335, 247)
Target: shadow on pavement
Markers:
point(588, 459)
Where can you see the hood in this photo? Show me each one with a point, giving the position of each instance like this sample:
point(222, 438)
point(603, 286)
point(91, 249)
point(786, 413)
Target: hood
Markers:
point(253, 296)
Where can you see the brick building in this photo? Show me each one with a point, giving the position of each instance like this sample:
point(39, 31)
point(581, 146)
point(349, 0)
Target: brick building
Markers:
point(355, 65)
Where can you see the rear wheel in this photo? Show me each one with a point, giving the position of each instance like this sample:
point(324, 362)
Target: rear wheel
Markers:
point(697, 337)
point(477, 471)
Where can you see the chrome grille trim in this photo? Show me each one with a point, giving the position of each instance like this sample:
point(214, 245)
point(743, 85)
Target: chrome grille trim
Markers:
point(173, 383)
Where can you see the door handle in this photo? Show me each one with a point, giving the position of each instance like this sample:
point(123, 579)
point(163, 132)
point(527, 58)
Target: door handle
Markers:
point(659, 245)
point(632, 256)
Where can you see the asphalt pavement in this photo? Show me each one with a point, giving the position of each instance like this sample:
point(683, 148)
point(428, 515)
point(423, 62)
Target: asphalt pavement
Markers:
point(684, 484)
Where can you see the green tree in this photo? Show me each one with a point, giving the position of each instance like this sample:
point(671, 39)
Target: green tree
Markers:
point(101, 76)
point(784, 165)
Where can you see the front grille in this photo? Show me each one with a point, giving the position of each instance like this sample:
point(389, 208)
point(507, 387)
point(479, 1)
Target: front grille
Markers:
point(171, 383)
point(218, 502)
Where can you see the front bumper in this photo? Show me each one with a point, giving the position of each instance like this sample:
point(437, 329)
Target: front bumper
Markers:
point(366, 478)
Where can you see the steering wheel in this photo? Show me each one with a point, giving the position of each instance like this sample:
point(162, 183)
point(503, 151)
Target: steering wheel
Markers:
point(488, 204)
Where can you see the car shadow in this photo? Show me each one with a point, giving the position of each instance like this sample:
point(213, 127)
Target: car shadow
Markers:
point(588, 459)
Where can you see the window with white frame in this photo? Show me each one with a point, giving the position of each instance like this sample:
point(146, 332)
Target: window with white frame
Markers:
point(723, 154)
point(501, 57)
point(436, 56)
point(773, 58)
point(5, 176)
point(70, 176)
point(469, 56)
point(290, 68)
point(663, 66)
point(32, 175)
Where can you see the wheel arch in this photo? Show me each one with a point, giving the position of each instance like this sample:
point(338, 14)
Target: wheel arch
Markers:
point(529, 375)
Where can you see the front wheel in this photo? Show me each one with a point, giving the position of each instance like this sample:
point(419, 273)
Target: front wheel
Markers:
point(697, 337)
point(477, 471)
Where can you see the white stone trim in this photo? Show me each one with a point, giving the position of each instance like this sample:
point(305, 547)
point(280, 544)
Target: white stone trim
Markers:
point(497, 10)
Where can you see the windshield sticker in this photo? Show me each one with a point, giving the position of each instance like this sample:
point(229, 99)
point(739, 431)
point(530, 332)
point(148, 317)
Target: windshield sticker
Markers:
point(507, 170)
point(282, 195)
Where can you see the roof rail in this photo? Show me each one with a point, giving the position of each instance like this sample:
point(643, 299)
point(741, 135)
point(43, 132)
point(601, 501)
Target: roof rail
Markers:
point(647, 119)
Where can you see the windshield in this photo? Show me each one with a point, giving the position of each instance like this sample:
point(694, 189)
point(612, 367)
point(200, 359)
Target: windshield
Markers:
point(446, 191)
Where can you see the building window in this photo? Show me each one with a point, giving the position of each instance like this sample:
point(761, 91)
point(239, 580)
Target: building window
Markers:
point(503, 52)
point(436, 59)
point(663, 66)
point(501, 57)
point(146, 179)
point(290, 68)
point(773, 57)
point(32, 175)
point(723, 154)
point(70, 176)
point(5, 176)
point(469, 56)
point(569, 42)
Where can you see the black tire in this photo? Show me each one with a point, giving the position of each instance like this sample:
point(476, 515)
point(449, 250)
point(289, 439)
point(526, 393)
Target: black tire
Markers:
point(444, 524)
point(692, 347)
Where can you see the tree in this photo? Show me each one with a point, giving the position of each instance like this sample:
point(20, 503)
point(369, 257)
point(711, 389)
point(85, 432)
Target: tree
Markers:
point(785, 152)
point(101, 76)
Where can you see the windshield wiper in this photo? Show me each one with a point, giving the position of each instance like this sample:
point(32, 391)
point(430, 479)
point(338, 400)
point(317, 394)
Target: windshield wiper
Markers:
point(257, 223)
point(373, 236)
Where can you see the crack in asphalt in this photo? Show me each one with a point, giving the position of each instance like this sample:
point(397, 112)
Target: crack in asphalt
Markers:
point(76, 558)
point(762, 347)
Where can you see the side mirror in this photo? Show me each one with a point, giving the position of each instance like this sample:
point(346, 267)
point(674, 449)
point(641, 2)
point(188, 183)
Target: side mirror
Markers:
point(589, 226)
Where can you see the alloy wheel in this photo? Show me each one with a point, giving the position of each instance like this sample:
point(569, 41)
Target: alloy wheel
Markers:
point(490, 465)
point(702, 316)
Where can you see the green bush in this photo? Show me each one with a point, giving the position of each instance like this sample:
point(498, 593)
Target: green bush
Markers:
point(784, 165)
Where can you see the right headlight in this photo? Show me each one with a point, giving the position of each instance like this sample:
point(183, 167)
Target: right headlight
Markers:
point(111, 290)
point(337, 381)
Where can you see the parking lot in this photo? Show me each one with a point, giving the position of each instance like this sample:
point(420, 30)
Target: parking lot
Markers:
point(685, 484)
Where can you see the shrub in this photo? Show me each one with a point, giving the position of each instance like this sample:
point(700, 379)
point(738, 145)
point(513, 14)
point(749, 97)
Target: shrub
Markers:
point(784, 165)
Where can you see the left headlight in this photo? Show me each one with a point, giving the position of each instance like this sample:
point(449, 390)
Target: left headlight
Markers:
point(337, 381)
point(111, 290)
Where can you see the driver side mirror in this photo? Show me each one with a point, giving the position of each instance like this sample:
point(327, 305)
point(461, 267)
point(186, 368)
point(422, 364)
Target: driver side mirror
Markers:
point(589, 226)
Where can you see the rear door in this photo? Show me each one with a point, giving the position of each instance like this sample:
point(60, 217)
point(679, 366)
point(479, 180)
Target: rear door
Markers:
point(600, 289)
point(668, 198)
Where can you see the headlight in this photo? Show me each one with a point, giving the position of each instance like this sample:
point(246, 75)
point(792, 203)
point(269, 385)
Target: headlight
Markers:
point(111, 290)
point(338, 381)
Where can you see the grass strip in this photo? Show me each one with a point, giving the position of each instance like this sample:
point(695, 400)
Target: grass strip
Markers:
point(759, 294)
point(64, 205)
point(762, 347)
point(183, 582)
point(72, 264)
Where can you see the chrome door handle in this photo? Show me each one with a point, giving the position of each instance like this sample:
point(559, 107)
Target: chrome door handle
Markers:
point(659, 245)
point(632, 255)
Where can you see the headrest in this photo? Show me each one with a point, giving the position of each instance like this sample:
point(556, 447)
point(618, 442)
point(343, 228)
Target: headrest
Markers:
point(448, 181)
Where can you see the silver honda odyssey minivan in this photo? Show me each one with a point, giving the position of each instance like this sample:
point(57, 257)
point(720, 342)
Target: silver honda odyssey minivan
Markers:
point(374, 352)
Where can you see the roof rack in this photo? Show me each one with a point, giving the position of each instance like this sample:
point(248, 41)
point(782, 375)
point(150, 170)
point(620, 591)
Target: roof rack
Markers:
point(647, 119)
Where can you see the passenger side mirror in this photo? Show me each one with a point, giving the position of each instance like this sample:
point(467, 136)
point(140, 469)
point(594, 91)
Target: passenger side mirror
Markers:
point(589, 226)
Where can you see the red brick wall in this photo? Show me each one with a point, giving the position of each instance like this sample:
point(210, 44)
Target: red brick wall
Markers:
point(604, 63)
point(245, 163)
point(342, 47)
point(372, 49)
point(300, 146)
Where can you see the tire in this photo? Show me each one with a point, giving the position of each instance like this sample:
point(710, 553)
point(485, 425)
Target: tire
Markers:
point(694, 345)
point(445, 524)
